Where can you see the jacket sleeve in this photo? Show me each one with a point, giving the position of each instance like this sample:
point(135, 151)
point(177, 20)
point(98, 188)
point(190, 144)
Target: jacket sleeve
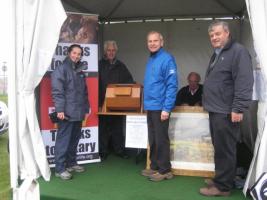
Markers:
point(243, 81)
point(86, 100)
point(101, 89)
point(171, 84)
point(58, 91)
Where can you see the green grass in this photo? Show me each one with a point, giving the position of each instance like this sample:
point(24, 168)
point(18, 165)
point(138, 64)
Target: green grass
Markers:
point(3, 98)
point(120, 179)
point(4, 163)
point(4, 168)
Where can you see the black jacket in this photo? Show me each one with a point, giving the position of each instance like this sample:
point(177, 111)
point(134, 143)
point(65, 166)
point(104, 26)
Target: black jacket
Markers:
point(69, 90)
point(184, 96)
point(112, 74)
point(228, 84)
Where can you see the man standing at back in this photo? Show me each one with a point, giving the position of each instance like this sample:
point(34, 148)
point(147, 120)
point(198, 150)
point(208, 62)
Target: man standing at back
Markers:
point(227, 94)
point(111, 71)
point(160, 88)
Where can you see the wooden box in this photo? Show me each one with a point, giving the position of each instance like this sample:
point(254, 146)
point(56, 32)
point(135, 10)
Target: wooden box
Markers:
point(123, 97)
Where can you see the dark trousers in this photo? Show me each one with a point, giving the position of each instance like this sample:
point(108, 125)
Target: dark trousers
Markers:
point(111, 128)
point(225, 135)
point(68, 136)
point(159, 142)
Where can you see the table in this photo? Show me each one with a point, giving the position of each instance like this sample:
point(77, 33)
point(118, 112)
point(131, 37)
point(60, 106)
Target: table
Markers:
point(191, 146)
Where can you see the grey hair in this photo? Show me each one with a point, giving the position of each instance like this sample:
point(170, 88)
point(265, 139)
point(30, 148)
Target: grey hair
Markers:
point(194, 74)
point(108, 43)
point(224, 24)
point(155, 32)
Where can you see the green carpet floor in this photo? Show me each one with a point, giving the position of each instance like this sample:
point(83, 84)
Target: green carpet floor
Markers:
point(120, 179)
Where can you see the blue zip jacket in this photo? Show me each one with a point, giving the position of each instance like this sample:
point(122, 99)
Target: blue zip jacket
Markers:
point(160, 83)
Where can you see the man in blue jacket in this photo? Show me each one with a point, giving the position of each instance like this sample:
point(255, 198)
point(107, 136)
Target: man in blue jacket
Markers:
point(160, 88)
point(227, 94)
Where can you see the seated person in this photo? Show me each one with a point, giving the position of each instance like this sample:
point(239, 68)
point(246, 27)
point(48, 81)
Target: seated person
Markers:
point(190, 95)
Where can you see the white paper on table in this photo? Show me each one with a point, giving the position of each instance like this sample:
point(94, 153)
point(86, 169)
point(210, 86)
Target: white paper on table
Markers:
point(136, 132)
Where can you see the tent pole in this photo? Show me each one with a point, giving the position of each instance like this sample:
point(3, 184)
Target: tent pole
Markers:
point(12, 105)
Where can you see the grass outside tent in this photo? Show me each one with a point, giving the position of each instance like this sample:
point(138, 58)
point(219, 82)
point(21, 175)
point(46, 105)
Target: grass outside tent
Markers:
point(4, 168)
point(4, 163)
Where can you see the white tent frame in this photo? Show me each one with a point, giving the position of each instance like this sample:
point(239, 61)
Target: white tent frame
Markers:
point(35, 28)
point(25, 122)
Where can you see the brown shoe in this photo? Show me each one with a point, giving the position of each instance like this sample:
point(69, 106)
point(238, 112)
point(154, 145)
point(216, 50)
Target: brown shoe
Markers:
point(213, 191)
point(209, 182)
point(148, 172)
point(159, 177)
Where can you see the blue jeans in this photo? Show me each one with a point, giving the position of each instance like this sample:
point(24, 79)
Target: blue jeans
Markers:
point(68, 136)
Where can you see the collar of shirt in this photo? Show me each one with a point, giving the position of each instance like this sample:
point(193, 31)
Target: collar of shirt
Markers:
point(217, 51)
point(193, 91)
point(154, 53)
point(112, 62)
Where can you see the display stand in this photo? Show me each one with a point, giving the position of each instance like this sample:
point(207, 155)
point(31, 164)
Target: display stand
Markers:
point(191, 146)
point(123, 100)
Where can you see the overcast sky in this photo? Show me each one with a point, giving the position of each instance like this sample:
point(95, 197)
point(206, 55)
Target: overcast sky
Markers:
point(5, 32)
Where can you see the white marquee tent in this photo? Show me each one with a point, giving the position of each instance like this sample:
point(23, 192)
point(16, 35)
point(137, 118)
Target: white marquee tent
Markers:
point(36, 25)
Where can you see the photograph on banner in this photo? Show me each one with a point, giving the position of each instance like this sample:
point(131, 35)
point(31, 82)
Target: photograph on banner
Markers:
point(79, 29)
point(136, 132)
point(191, 145)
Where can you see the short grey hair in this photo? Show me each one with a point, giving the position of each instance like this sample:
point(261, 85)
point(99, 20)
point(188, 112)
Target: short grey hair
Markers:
point(194, 74)
point(155, 32)
point(224, 24)
point(109, 43)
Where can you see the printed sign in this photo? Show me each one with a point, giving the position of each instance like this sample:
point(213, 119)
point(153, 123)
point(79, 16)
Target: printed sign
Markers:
point(136, 132)
point(79, 29)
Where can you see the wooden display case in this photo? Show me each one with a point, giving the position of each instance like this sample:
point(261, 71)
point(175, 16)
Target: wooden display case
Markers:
point(123, 98)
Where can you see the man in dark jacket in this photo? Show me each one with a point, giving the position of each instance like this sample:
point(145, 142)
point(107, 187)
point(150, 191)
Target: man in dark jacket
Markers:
point(227, 94)
point(190, 95)
point(111, 71)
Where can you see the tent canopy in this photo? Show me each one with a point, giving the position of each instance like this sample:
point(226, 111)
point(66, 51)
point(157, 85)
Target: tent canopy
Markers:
point(116, 10)
point(125, 10)
point(181, 33)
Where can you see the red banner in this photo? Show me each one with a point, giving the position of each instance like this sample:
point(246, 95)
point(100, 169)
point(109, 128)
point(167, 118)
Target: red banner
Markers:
point(81, 29)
